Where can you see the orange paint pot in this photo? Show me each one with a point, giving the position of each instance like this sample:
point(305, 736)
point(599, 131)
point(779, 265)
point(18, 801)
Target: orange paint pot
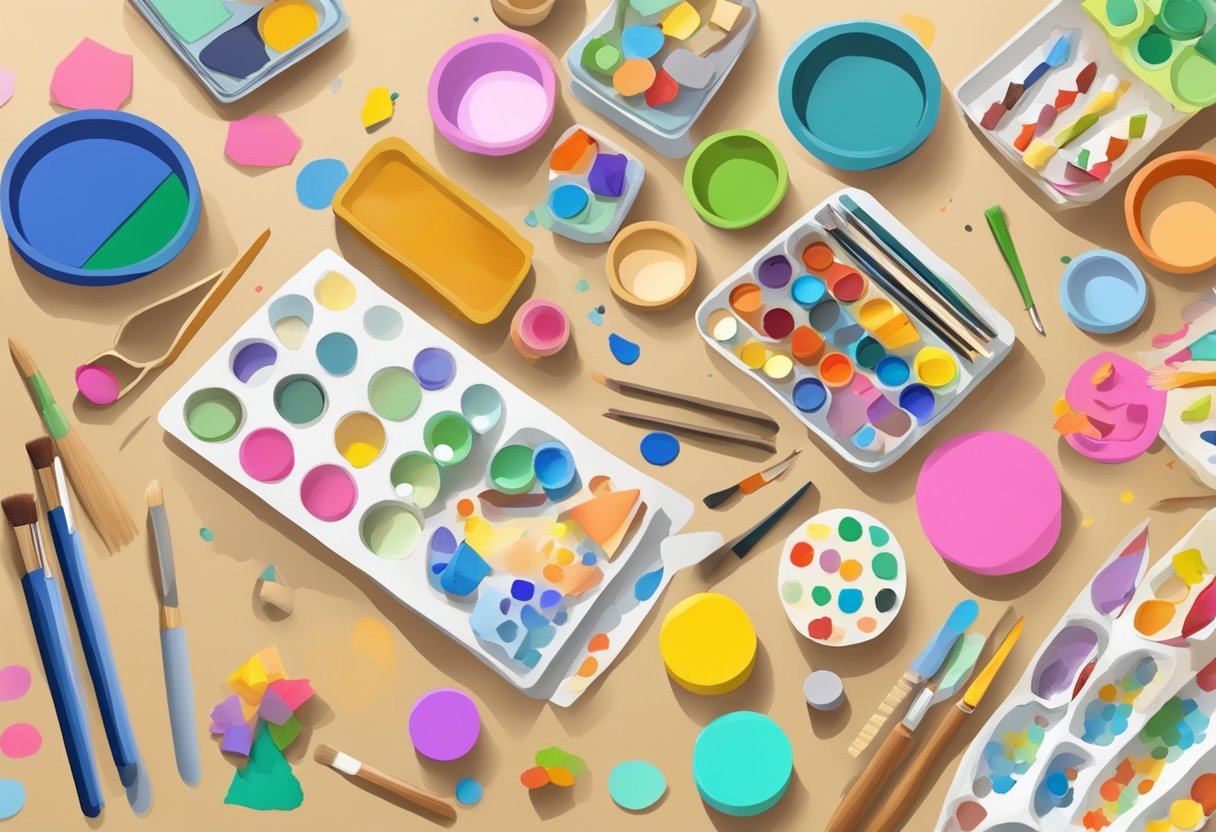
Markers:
point(748, 303)
point(1153, 616)
point(818, 256)
point(1170, 209)
point(806, 345)
point(836, 370)
point(846, 285)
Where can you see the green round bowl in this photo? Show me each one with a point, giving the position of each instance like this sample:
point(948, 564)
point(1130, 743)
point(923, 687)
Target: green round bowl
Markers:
point(735, 178)
point(511, 469)
point(448, 437)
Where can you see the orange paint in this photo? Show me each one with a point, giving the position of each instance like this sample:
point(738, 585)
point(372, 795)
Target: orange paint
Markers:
point(745, 298)
point(535, 778)
point(465, 508)
point(836, 370)
point(575, 154)
point(806, 345)
point(1203, 792)
point(866, 624)
point(553, 573)
point(598, 642)
point(560, 777)
point(1153, 616)
point(633, 77)
point(818, 256)
point(850, 570)
point(588, 667)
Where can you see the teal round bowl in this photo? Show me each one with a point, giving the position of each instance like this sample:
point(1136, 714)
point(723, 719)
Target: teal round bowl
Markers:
point(859, 95)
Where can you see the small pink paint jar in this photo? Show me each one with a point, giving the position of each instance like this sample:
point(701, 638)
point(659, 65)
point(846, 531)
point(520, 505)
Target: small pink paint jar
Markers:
point(540, 328)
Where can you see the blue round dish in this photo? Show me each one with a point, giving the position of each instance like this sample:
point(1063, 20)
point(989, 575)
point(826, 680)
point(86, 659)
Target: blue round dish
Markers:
point(77, 179)
point(859, 95)
point(1103, 292)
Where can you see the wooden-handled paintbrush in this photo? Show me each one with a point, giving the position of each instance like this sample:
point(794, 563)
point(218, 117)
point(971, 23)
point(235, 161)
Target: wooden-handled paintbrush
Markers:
point(348, 765)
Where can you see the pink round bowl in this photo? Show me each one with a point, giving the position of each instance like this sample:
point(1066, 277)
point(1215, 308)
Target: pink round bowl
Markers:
point(493, 94)
point(541, 327)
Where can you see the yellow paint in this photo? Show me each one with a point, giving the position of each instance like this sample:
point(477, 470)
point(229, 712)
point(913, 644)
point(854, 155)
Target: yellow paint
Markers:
point(1103, 373)
point(725, 14)
point(359, 438)
point(1087, 522)
point(681, 22)
point(708, 644)
point(372, 638)
point(1186, 814)
point(922, 27)
point(1189, 565)
point(1127, 496)
point(1061, 408)
point(1038, 154)
point(378, 107)
point(286, 23)
point(335, 292)
point(818, 531)
point(778, 367)
point(1179, 219)
point(291, 331)
point(753, 355)
point(935, 367)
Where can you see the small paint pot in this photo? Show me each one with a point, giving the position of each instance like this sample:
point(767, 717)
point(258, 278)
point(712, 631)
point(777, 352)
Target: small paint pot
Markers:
point(328, 493)
point(823, 689)
point(448, 437)
point(554, 467)
point(846, 285)
point(735, 178)
point(825, 315)
point(213, 414)
point(722, 326)
point(651, 264)
point(360, 438)
point(818, 256)
point(809, 395)
point(778, 323)
point(934, 367)
point(808, 291)
point(493, 94)
point(415, 477)
point(867, 352)
point(511, 469)
point(520, 14)
point(918, 400)
point(753, 354)
point(836, 370)
point(391, 530)
point(482, 405)
point(267, 455)
point(779, 367)
point(1170, 210)
point(806, 345)
point(893, 371)
point(747, 300)
point(775, 271)
point(540, 328)
point(1103, 292)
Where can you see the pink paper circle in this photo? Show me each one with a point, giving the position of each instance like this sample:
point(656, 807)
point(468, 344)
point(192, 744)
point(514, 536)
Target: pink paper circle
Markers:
point(1124, 400)
point(20, 740)
point(990, 502)
point(267, 455)
point(328, 493)
point(14, 682)
point(444, 724)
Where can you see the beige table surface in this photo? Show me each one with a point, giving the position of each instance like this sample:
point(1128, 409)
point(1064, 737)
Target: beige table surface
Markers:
point(940, 193)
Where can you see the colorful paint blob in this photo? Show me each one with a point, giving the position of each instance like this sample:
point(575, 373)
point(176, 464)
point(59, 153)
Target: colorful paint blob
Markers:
point(360, 439)
point(391, 530)
point(1011, 752)
point(647, 585)
point(1108, 712)
point(842, 578)
point(318, 182)
point(267, 455)
point(394, 394)
point(97, 384)
point(337, 353)
point(20, 740)
point(300, 400)
point(213, 414)
point(623, 350)
point(659, 448)
point(328, 493)
point(636, 785)
point(12, 798)
point(469, 792)
point(444, 725)
point(383, 323)
point(252, 361)
point(14, 682)
point(434, 367)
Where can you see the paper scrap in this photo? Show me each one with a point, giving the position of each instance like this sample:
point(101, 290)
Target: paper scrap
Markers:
point(553, 765)
point(318, 182)
point(261, 142)
point(14, 682)
point(264, 700)
point(1198, 410)
point(267, 782)
point(92, 76)
point(8, 83)
point(192, 19)
point(378, 108)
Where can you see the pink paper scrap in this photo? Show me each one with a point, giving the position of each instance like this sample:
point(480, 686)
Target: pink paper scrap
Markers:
point(261, 141)
point(293, 692)
point(92, 76)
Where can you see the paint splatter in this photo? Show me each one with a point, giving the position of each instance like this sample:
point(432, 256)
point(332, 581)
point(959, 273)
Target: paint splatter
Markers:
point(14, 682)
point(647, 585)
point(659, 448)
point(967, 228)
point(258, 288)
point(476, 18)
point(1087, 522)
point(372, 638)
point(924, 28)
point(530, 219)
point(624, 350)
point(318, 181)
point(596, 316)
point(468, 791)
point(335, 85)
point(12, 798)
point(1065, 259)
point(581, 287)
point(206, 534)
point(1127, 496)
point(20, 740)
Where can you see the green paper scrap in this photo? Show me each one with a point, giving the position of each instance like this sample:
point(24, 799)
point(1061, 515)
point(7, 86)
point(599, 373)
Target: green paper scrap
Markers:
point(192, 19)
point(1198, 410)
point(1074, 130)
point(1136, 125)
point(285, 734)
point(1083, 159)
point(266, 782)
point(554, 757)
point(146, 231)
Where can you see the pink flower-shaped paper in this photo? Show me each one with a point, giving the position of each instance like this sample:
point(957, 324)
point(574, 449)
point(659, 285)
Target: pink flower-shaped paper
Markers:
point(1123, 400)
point(261, 142)
point(92, 77)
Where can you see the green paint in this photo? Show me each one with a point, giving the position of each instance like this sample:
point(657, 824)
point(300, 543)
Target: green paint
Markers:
point(850, 529)
point(147, 231)
point(266, 782)
point(300, 400)
point(1136, 126)
point(1182, 19)
point(53, 417)
point(961, 661)
point(192, 19)
point(269, 574)
point(1121, 12)
point(736, 178)
point(1194, 76)
point(791, 592)
point(581, 286)
point(511, 469)
point(601, 56)
point(1074, 130)
point(879, 536)
point(821, 595)
point(554, 757)
point(213, 415)
point(885, 566)
point(394, 394)
point(390, 531)
point(285, 734)
point(206, 534)
point(1154, 47)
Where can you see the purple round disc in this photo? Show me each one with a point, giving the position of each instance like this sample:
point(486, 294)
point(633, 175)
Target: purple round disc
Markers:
point(444, 724)
point(774, 272)
point(434, 368)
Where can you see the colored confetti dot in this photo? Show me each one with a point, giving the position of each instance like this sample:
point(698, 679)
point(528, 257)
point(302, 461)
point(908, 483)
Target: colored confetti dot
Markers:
point(802, 554)
point(465, 508)
point(1087, 522)
point(12, 798)
point(469, 792)
point(866, 624)
point(1127, 496)
point(206, 534)
point(660, 448)
point(1065, 259)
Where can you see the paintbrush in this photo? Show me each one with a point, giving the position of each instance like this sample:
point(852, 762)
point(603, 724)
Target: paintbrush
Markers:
point(348, 765)
point(747, 541)
point(179, 689)
point(630, 388)
point(51, 632)
point(923, 667)
point(97, 494)
point(753, 483)
point(687, 429)
point(90, 624)
point(1004, 242)
point(904, 794)
point(1172, 378)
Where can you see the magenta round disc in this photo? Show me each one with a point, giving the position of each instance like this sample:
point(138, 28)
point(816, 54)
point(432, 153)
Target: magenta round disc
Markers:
point(444, 724)
point(990, 502)
point(1122, 402)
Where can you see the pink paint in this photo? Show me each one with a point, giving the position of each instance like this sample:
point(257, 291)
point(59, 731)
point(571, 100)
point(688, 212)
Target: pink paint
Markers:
point(266, 455)
point(20, 740)
point(542, 327)
point(1123, 400)
point(328, 493)
point(990, 502)
point(493, 94)
point(97, 384)
point(14, 682)
point(444, 724)
point(261, 141)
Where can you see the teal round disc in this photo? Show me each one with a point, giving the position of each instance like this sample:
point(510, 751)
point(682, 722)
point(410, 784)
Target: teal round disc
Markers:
point(742, 763)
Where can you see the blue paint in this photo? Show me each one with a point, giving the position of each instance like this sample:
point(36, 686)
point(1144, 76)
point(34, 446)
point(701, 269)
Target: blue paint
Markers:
point(893, 371)
point(554, 466)
point(849, 600)
point(318, 182)
point(808, 291)
point(523, 590)
point(660, 448)
point(530, 219)
point(918, 400)
point(568, 201)
point(468, 791)
point(581, 287)
point(531, 619)
point(465, 571)
point(560, 618)
point(865, 437)
point(337, 353)
point(589, 558)
point(550, 598)
point(624, 350)
point(1208, 436)
point(596, 316)
point(641, 41)
point(809, 395)
point(648, 584)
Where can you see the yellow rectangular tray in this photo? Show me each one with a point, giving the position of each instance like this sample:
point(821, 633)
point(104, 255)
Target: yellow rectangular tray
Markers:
point(428, 226)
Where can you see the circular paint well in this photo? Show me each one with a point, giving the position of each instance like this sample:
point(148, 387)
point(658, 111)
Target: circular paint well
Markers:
point(415, 477)
point(778, 323)
point(774, 271)
point(1179, 218)
point(299, 399)
point(252, 361)
point(482, 405)
point(569, 201)
point(836, 370)
point(735, 178)
point(337, 353)
point(213, 414)
point(893, 371)
point(918, 400)
point(511, 469)
point(97, 384)
point(359, 438)
point(868, 352)
point(806, 345)
point(935, 367)
point(542, 326)
point(285, 24)
point(335, 292)
point(809, 395)
point(554, 466)
point(267, 455)
point(753, 354)
point(383, 323)
point(391, 530)
point(290, 318)
point(746, 299)
point(808, 291)
point(328, 493)
point(434, 368)
point(394, 394)
point(779, 366)
point(742, 763)
point(1103, 292)
point(448, 437)
point(818, 256)
point(824, 315)
point(722, 325)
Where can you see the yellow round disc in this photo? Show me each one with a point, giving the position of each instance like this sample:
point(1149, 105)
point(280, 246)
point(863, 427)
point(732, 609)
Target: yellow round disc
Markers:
point(935, 367)
point(287, 23)
point(335, 292)
point(1186, 814)
point(708, 644)
point(753, 354)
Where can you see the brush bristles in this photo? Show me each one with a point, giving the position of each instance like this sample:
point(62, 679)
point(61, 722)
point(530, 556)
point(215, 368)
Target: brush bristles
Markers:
point(97, 494)
point(155, 494)
point(325, 755)
point(1162, 379)
point(22, 358)
point(599, 378)
point(20, 510)
point(41, 452)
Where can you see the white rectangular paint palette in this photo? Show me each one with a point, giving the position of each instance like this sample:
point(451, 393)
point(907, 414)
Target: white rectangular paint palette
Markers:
point(1018, 58)
point(464, 498)
point(820, 355)
point(1112, 721)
